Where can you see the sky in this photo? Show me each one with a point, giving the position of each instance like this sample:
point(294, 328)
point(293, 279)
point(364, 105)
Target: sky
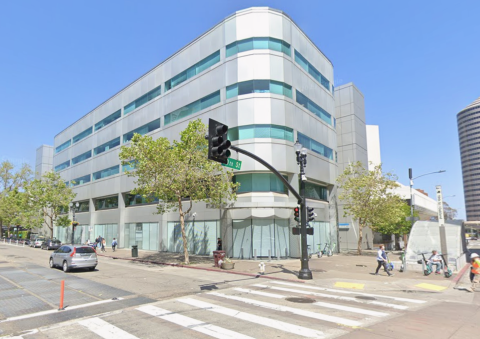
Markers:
point(417, 64)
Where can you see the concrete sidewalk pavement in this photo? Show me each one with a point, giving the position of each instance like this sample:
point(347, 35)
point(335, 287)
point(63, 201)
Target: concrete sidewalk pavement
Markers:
point(340, 270)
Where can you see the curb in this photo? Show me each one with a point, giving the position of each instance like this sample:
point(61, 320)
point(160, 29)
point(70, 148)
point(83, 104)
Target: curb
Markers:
point(203, 268)
point(460, 274)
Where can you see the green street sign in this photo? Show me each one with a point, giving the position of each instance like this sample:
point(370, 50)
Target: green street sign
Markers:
point(232, 163)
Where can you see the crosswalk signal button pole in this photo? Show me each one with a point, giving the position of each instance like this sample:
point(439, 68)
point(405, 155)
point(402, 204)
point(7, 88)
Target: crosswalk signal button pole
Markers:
point(218, 143)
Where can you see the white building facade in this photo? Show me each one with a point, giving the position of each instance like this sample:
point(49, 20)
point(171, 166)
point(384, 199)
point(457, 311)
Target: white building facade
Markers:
point(258, 73)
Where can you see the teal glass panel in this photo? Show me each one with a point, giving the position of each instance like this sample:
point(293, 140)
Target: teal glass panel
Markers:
point(261, 43)
point(245, 45)
point(315, 146)
point(80, 181)
point(142, 130)
point(259, 182)
point(231, 49)
point(313, 107)
point(62, 166)
point(287, 90)
point(258, 43)
point(261, 86)
point(262, 131)
point(275, 45)
point(81, 157)
point(286, 48)
point(299, 59)
point(106, 172)
point(130, 166)
point(233, 134)
point(245, 181)
point(314, 191)
point(277, 185)
point(83, 206)
point(111, 118)
point(142, 100)
point(63, 146)
point(276, 87)
point(192, 108)
point(199, 67)
point(246, 132)
point(106, 146)
point(277, 132)
point(106, 203)
point(82, 135)
point(133, 200)
point(288, 134)
point(232, 91)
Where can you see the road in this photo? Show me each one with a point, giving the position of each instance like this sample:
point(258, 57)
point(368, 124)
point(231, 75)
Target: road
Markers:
point(124, 299)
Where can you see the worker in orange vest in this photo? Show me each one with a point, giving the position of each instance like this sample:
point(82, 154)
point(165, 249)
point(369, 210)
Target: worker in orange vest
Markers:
point(475, 271)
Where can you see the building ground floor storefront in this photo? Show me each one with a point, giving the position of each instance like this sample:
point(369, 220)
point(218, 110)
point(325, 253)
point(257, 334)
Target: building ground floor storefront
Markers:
point(241, 238)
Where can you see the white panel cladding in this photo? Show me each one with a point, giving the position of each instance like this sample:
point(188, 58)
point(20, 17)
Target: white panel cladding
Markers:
point(61, 158)
point(230, 30)
point(278, 69)
point(262, 111)
point(286, 30)
point(148, 82)
point(246, 111)
point(106, 160)
point(275, 25)
point(107, 133)
point(82, 146)
point(232, 115)
point(80, 170)
point(105, 187)
point(253, 24)
point(107, 108)
point(231, 71)
point(313, 90)
point(279, 110)
point(143, 116)
point(245, 70)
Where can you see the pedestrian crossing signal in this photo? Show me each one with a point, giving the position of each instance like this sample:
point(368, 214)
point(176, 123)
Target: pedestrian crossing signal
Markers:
point(296, 231)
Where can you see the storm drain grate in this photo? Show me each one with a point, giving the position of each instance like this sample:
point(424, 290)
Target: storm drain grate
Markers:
point(301, 300)
point(365, 297)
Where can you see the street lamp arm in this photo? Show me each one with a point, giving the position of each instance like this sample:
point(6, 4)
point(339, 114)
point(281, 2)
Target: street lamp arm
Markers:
point(428, 174)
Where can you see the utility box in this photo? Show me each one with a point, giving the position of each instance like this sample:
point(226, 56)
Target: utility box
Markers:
point(134, 251)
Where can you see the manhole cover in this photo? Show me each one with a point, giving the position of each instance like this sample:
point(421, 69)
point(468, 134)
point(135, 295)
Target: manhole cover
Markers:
point(365, 297)
point(301, 300)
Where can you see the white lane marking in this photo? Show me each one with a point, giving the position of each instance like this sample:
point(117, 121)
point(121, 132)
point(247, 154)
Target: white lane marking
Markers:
point(265, 294)
point(193, 324)
point(280, 325)
point(105, 330)
point(414, 301)
point(293, 310)
point(38, 314)
point(337, 297)
point(323, 304)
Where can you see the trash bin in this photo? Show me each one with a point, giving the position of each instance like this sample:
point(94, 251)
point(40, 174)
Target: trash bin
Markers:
point(135, 251)
point(218, 255)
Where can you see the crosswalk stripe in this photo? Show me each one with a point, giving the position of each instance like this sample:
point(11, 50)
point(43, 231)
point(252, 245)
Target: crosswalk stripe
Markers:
point(105, 330)
point(338, 297)
point(328, 305)
point(193, 324)
point(297, 311)
point(415, 301)
point(280, 325)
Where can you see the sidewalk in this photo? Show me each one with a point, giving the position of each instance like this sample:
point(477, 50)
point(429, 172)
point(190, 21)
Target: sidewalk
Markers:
point(340, 270)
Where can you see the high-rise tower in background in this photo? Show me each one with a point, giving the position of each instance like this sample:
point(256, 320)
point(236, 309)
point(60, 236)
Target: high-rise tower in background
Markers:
point(468, 121)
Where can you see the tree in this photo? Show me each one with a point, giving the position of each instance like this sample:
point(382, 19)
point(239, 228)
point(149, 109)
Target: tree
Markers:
point(11, 187)
point(449, 213)
point(368, 197)
point(49, 196)
point(178, 171)
point(401, 227)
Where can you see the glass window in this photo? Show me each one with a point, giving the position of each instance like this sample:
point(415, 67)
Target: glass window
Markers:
point(142, 130)
point(106, 146)
point(259, 86)
point(299, 59)
point(106, 172)
point(257, 43)
point(82, 157)
point(313, 107)
point(198, 68)
point(83, 206)
point(80, 181)
point(129, 166)
point(133, 200)
point(314, 191)
point(232, 91)
point(260, 131)
point(192, 108)
point(106, 203)
point(111, 118)
point(142, 100)
point(60, 148)
point(82, 135)
point(62, 166)
point(315, 146)
point(260, 182)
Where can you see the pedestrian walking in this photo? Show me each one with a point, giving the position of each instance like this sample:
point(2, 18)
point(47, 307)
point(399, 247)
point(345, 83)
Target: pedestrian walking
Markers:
point(382, 260)
point(114, 244)
point(103, 245)
point(474, 271)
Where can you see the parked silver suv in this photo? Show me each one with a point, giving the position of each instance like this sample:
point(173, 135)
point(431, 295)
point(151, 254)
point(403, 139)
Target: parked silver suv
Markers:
point(74, 256)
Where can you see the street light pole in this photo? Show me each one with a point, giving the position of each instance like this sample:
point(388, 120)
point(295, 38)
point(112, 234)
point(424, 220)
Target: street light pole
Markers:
point(301, 152)
point(73, 207)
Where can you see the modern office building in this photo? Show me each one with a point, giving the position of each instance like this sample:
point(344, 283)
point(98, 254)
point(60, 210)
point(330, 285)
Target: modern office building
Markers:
point(255, 71)
point(468, 121)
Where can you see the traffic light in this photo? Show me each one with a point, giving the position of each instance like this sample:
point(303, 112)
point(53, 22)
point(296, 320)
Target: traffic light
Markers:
point(310, 214)
point(218, 143)
point(296, 214)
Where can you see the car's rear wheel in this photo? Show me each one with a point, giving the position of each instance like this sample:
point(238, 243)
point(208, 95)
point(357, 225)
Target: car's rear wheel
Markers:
point(92, 268)
point(51, 263)
point(65, 267)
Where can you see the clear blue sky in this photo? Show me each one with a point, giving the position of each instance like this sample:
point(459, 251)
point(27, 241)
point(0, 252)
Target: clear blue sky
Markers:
point(416, 62)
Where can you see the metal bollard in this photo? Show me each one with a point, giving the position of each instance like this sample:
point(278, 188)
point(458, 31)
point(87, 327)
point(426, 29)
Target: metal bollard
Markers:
point(269, 256)
point(286, 253)
point(241, 252)
point(17, 242)
point(255, 254)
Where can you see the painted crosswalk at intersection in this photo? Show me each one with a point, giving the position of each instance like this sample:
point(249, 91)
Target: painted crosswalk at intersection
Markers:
point(257, 310)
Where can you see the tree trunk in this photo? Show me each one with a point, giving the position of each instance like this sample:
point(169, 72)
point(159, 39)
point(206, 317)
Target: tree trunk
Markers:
point(184, 234)
point(360, 238)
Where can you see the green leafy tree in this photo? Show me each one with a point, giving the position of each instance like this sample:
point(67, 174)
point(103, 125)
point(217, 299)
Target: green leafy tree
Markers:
point(401, 227)
point(49, 196)
point(367, 197)
point(12, 183)
point(449, 213)
point(178, 173)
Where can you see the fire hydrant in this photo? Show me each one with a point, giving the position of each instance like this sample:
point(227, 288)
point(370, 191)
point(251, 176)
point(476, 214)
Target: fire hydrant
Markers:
point(262, 268)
